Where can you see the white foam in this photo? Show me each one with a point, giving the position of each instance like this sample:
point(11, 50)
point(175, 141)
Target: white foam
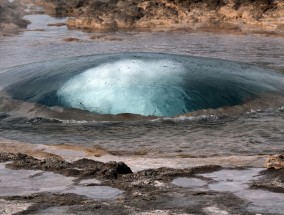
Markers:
point(128, 86)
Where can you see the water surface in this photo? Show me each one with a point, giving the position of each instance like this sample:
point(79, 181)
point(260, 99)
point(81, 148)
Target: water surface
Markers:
point(254, 128)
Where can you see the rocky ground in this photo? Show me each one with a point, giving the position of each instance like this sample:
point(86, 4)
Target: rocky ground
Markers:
point(46, 183)
point(228, 16)
point(64, 179)
point(248, 16)
point(11, 21)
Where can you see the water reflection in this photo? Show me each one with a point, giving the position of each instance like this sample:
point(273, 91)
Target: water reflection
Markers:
point(33, 46)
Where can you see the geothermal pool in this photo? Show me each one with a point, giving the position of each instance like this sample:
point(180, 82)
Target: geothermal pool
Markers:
point(146, 84)
point(151, 100)
point(156, 94)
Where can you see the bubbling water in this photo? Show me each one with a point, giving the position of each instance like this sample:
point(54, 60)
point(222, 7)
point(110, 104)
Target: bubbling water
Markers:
point(147, 84)
point(128, 86)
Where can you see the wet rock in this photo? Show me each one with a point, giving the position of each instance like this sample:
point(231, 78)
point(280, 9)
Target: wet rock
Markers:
point(51, 198)
point(87, 163)
point(272, 180)
point(4, 157)
point(71, 39)
point(11, 21)
point(28, 162)
point(145, 192)
point(57, 24)
point(275, 162)
point(119, 168)
point(152, 178)
point(86, 168)
point(105, 37)
point(83, 168)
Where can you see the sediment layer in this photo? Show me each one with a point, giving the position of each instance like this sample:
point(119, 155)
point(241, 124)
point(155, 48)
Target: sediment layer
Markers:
point(264, 16)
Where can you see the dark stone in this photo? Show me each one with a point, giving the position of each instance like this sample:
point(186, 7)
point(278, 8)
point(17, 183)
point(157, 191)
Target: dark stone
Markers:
point(83, 168)
point(272, 180)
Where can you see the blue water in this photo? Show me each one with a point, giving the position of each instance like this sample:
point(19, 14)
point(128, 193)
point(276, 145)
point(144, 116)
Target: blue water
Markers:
point(254, 127)
point(147, 84)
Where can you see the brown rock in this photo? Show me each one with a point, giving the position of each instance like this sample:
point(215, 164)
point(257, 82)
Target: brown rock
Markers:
point(274, 162)
point(57, 24)
point(97, 37)
point(71, 39)
point(151, 15)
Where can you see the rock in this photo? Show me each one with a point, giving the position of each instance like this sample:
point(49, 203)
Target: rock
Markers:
point(121, 168)
point(11, 21)
point(105, 15)
point(4, 157)
point(97, 37)
point(275, 162)
point(271, 179)
point(83, 168)
point(56, 24)
point(105, 37)
point(71, 39)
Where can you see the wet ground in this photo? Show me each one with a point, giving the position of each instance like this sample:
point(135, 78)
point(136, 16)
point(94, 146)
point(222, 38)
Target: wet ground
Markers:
point(54, 186)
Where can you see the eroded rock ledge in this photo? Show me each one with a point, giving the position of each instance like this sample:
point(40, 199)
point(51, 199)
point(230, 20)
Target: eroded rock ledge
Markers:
point(247, 16)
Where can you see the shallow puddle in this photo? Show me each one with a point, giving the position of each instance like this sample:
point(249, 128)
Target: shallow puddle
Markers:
point(55, 210)
point(232, 180)
point(25, 182)
point(95, 192)
point(89, 182)
point(237, 182)
point(189, 182)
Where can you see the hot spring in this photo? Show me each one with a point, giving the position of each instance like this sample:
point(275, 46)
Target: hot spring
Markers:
point(148, 84)
point(147, 109)
point(53, 92)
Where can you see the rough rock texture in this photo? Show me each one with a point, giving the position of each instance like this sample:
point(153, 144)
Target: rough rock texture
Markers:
point(83, 168)
point(146, 192)
point(274, 162)
point(272, 180)
point(250, 16)
point(11, 21)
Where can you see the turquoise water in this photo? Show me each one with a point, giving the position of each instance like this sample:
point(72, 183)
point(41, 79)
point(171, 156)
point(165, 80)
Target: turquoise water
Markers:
point(146, 84)
point(250, 127)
